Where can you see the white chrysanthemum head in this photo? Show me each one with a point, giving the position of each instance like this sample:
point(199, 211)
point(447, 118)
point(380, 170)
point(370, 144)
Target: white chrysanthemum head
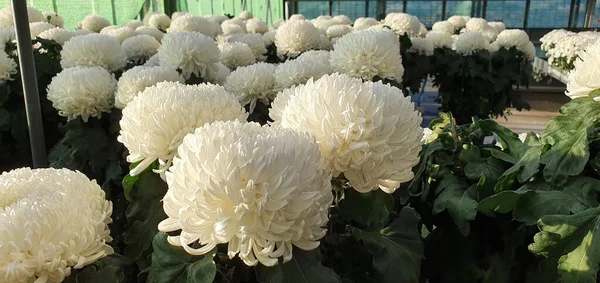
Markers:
point(191, 52)
point(368, 54)
point(160, 21)
point(324, 17)
point(256, 26)
point(147, 17)
point(336, 31)
point(7, 34)
point(237, 21)
point(444, 26)
point(341, 20)
point(154, 32)
point(8, 66)
point(322, 24)
point(269, 37)
point(458, 21)
point(403, 23)
point(138, 78)
point(52, 221)
point(232, 28)
point(246, 15)
point(178, 14)
point(134, 24)
point(93, 50)
point(82, 92)
point(295, 37)
point(153, 61)
point(193, 23)
point(422, 31)
point(140, 48)
point(469, 42)
point(277, 23)
point(309, 65)
point(217, 74)
point(476, 24)
point(254, 41)
point(371, 134)
point(38, 27)
point(54, 19)
point(421, 46)
point(440, 39)
point(498, 26)
point(59, 35)
point(491, 33)
point(512, 38)
point(296, 17)
point(363, 23)
point(585, 77)
point(529, 50)
point(252, 83)
point(217, 18)
point(236, 54)
point(93, 23)
point(182, 109)
point(278, 192)
point(120, 33)
point(6, 16)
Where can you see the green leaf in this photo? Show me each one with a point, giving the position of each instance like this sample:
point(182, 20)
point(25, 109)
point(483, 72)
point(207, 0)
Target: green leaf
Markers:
point(304, 267)
point(458, 199)
point(397, 249)
point(172, 264)
point(510, 141)
point(417, 185)
point(478, 166)
point(108, 269)
point(527, 165)
point(576, 239)
point(367, 209)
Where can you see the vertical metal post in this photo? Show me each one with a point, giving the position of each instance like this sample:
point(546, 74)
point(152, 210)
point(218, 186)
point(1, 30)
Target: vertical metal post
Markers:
point(484, 9)
point(526, 18)
point(366, 8)
point(589, 13)
point(571, 12)
point(404, 6)
point(330, 2)
point(444, 9)
point(30, 86)
point(380, 10)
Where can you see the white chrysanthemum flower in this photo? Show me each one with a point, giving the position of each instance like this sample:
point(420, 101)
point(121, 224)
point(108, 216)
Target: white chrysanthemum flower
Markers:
point(7, 34)
point(160, 21)
point(154, 32)
point(193, 23)
point(295, 37)
point(277, 23)
point(403, 23)
point(336, 31)
point(252, 83)
point(426, 134)
point(368, 53)
point(237, 21)
point(57, 34)
point(422, 31)
point(254, 41)
point(363, 23)
point(498, 26)
point(231, 28)
point(38, 27)
point(440, 39)
point(181, 108)
point(93, 23)
point(518, 39)
point(309, 65)
point(491, 33)
point(585, 77)
point(153, 61)
point(8, 66)
point(217, 74)
point(140, 48)
point(147, 17)
point(256, 26)
point(322, 24)
point(469, 42)
point(421, 46)
point(278, 192)
point(82, 91)
point(296, 17)
point(444, 26)
point(191, 52)
point(138, 78)
point(245, 15)
point(217, 18)
point(371, 134)
point(52, 221)
point(458, 21)
point(134, 24)
point(178, 14)
point(476, 24)
point(6, 16)
point(236, 54)
point(269, 37)
point(93, 50)
point(120, 33)
point(54, 19)
point(341, 20)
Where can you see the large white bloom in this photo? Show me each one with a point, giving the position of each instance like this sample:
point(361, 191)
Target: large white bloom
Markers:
point(499, 26)
point(336, 31)
point(57, 34)
point(458, 21)
point(138, 78)
point(469, 42)
point(217, 18)
point(120, 33)
point(6, 16)
point(38, 27)
point(178, 14)
point(193, 23)
point(363, 23)
point(54, 19)
point(369, 132)
point(585, 77)
point(236, 54)
point(134, 24)
point(255, 25)
point(140, 48)
point(444, 26)
point(403, 23)
point(231, 28)
point(191, 52)
point(440, 39)
point(518, 39)
point(246, 15)
point(52, 221)
point(237, 21)
point(296, 17)
point(93, 50)
point(82, 91)
point(153, 61)
point(261, 190)
point(342, 20)
point(93, 23)
point(156, 120)
point(421, 46)
point(160, 21)
point(368, 53)
point(254, 41)
point(476, 24)
point(7, 34)
point(309, 65)
point(217, 74)
point(154, 32)
point(296, 36)
point(269, 37)
point(252, 83)
point(8, 67)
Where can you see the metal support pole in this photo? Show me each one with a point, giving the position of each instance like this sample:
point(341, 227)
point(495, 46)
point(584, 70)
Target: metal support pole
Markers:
point(526, 17)
point(571, 12)
point(444, 10)
point(484, 9)
point(30, 86)
point(404, 6)
point(589, 13)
